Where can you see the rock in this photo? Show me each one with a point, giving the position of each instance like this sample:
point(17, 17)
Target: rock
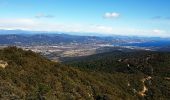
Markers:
point(3, 64)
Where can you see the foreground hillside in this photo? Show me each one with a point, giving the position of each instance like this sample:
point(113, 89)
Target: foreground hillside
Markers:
point(27, 75)
point(154, 67)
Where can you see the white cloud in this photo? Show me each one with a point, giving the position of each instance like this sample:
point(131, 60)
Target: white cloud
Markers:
point(158, 31)
point(41, 15)
point(16, 21)
point(39, 25)
point(110, 15)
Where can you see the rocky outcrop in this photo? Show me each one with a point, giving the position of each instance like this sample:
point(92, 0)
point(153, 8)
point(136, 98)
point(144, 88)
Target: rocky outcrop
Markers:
point(145, 89)
point(3, 64)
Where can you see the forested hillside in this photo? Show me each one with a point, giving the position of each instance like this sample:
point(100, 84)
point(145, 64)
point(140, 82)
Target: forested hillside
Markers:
point(153, 66)
point(27, 75)
point(146, 62)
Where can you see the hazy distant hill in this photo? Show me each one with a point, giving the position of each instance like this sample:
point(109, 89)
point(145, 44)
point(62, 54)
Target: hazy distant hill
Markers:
point(45, 39)
point(20, 37)
point(29, 38)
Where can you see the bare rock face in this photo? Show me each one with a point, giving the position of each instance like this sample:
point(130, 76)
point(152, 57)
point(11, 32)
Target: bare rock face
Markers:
point(3, 64)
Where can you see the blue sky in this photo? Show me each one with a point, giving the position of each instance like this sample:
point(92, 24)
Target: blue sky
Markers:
point(107, 17)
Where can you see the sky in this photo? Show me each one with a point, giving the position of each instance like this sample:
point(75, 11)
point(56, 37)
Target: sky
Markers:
point(105, 17)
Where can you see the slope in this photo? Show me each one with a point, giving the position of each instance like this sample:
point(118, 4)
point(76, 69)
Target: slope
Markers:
point(152, 67)
point(30, 76)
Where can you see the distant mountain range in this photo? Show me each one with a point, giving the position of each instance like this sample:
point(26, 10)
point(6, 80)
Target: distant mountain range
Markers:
point(37, 39)
point(20, 37)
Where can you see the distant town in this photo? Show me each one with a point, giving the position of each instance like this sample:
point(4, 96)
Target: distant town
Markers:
point(57, 46)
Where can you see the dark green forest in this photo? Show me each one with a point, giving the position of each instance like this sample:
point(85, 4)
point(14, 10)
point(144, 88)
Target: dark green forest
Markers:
point(108, 76)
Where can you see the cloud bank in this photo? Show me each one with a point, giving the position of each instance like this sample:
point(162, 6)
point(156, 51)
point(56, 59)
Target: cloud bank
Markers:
point(111, 15)
point(37, 25)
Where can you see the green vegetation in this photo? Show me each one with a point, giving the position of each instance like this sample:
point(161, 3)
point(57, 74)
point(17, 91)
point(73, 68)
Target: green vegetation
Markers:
point(30, 76)
point(139, 63)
